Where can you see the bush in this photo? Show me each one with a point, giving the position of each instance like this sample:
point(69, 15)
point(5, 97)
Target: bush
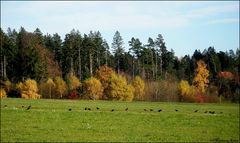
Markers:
point(28, 89)
point(92, 88)
point(187, 92)
point(73, 95)
point(118, 88)
point(139, 87)
point(2, 93)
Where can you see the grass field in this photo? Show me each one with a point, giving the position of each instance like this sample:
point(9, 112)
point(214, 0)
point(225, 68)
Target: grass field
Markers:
point(51, 120)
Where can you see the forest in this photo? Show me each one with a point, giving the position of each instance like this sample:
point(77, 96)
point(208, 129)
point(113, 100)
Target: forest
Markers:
point(85, 66)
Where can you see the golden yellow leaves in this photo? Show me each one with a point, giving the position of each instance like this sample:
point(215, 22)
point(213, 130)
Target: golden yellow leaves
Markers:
point(93, 88)
point(200, 80)
point(28, 89)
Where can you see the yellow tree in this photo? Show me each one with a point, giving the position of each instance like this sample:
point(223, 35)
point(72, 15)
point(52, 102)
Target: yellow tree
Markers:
point(118, 88)
point(200, 80)
point(28, 89)
point(139, 87)
point(61, 86)
point(50, 86)
point(2, 93)
point(103, 74)
point(93, 88)
point(73, 82)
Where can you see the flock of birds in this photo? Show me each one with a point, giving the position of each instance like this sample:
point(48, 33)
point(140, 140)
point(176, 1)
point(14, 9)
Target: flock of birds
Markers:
point(126, 109)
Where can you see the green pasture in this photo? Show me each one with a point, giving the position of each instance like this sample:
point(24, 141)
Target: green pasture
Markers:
point(51, 121)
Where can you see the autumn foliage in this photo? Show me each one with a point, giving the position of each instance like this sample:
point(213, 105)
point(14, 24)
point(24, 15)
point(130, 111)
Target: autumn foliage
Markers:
point(118, 88)
point(103, 74)
point(139, 87)
point(200, 80)
point(61, 86)
point(93, 88)
point(2, 93)
point(28, 89)
point(73, 82)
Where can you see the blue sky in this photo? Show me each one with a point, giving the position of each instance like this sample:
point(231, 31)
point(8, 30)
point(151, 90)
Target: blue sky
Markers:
point(185, 26)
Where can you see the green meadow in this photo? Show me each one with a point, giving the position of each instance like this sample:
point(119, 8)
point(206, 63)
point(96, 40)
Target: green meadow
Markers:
point(51, 121)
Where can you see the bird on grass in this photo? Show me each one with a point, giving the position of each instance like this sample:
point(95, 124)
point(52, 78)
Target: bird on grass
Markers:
point(205, 111)
point(22, 106)
point(176, 110)
point(97, 108)
point(126, 109)
point(112, 110)
point(151, 109)
point(145, 109)
point(69, 109)
point(160, 110)
point(196, 111)
point(5, 106)
point(221, 112)
point(89, 109)
point(85, 108)
point(28, 107)
point(212, 112)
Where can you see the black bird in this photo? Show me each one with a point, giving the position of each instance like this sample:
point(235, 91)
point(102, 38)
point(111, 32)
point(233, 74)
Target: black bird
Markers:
point(160, 110)
point(97, 108)
point(5, 106)
point(196, 111)
point(145, 109)
point(176, 110)
point(126, 109)
point(22, 106)
point(205, 111)
point(221, 112)
point(29, 107)
point(69, 109)
point(85, 108)
point(151, 109)
point(213, 112)
point(112, 110)
point(89, 109)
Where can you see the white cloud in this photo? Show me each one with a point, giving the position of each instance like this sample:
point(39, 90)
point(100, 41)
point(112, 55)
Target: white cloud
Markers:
point(223, 21)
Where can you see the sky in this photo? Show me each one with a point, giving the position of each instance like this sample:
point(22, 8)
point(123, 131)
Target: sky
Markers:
point(184, 25)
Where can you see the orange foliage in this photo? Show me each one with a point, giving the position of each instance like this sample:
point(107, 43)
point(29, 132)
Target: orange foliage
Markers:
point(200, 80)
point(103, 74)
point(2, 93)
point(226, 75)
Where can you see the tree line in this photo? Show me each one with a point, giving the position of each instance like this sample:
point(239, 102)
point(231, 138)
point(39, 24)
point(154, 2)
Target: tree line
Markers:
point(34, 55)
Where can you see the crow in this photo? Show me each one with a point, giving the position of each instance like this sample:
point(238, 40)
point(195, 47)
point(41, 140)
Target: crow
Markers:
point(213, 112)
point(112, 110)
point(151, 109)
point(5, 106)
point(29, 107)
point(160, 110)
point(205, 111)
point(89, 109)
point(22, 106)
point(196, 111)
point(69, 109)
point(176, 110)
point(85, 108)
point(126, 109)
point(97, 108)
point(145, 109)
point(221, 112)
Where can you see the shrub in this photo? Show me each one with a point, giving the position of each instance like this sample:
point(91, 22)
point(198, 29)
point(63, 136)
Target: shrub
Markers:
point(7, 86)
point(93, 88)
point(73, 95)
point(28, 89)
point(186, 91)
point(118, 88)
point(2, 93)
point(139, 87)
